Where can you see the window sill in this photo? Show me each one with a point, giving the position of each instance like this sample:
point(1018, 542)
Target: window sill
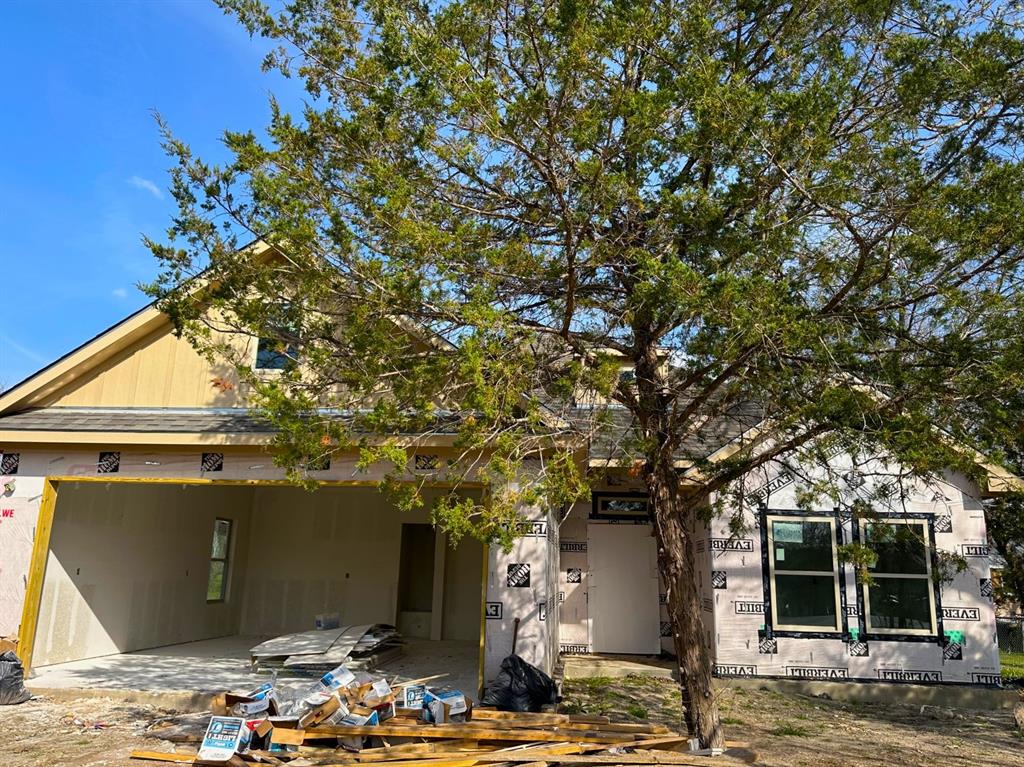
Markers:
point(808, 634)
point(897, 637)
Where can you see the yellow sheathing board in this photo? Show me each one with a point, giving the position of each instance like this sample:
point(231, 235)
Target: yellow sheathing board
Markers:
point(159, 370)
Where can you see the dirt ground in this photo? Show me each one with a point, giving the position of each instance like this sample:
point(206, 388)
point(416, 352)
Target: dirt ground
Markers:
point(91, 732)
point(781, 730)
point(797, 731)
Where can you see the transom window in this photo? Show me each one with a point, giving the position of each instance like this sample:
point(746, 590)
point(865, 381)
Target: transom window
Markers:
point(804, 573)
point(901, 600)
point(619, 506)
point(220, 552)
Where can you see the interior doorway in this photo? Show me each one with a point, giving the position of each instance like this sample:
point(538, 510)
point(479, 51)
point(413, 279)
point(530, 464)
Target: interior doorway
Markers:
point(416, 580)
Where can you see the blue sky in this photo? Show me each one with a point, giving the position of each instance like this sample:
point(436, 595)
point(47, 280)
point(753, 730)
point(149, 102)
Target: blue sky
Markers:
point(82, 173)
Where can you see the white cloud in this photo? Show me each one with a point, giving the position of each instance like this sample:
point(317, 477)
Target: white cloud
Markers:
point(119, 293)
point(144, 183)
point(24, 351)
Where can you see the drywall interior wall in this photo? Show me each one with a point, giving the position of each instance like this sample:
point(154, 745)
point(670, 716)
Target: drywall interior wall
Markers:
point(128, 568)
point(331, 550)
point(463, 568)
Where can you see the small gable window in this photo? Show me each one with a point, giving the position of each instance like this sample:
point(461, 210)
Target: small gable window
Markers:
point(280, 349)
point(273, 354)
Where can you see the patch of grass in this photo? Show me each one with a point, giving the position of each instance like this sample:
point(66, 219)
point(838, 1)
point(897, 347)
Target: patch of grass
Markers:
point(733, 720)
point(787, 730)
point(1012, 666)
point(635, 709)
point(570, 707)
point(595, 684)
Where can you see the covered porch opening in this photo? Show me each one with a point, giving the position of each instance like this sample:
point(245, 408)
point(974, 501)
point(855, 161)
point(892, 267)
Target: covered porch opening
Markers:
point(165, 586)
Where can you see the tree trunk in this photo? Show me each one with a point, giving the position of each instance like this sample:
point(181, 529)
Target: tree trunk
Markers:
point(673, 515)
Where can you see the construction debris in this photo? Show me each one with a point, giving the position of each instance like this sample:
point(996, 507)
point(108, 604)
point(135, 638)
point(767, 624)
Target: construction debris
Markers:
point(315, 652)
point(353, 717)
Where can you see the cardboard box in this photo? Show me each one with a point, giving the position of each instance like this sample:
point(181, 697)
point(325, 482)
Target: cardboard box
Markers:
point(324, 712)
point(225, 736)
point(325, 621)
point(445, 705)
point(336, 679)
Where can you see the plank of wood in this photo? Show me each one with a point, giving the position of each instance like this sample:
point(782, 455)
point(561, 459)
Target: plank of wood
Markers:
point(548, 718)
point(648, 757)
point(337, 756)
point(635, 727)
point(463, 762)
point(163, 756)
point(421, 748)
point(287, 736)
point(36, 573)
point(462, 730)
point(421, 680)
point(582, 748)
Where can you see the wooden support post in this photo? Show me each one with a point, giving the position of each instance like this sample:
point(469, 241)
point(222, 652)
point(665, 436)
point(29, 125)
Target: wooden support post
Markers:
point(36, 575)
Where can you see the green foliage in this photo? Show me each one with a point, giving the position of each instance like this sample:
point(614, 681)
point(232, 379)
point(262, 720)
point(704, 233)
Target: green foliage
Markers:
point(486, 211)
point(1012, 666)
point(861, 558)
point(1005, 518)
point(636, 710)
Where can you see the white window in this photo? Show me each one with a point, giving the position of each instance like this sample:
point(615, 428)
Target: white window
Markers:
point(901, 599)
point(803, 563)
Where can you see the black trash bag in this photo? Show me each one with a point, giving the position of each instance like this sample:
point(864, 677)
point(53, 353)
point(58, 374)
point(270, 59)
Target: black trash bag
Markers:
point(12, 681)
point(520, 687)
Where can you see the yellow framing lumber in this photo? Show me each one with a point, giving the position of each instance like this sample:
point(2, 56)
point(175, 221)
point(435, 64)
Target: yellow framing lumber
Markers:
point(479, 733)
point(162, 756)
point(36, 575)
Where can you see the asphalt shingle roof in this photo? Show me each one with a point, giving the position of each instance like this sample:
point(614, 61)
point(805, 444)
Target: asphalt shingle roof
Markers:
point(719, 431)
point(606, 444)
point(135, 420)
point(163, 420)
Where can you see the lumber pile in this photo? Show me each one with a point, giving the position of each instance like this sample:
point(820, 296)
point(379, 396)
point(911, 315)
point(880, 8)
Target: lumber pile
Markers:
point(354, 717)
point(490, 739)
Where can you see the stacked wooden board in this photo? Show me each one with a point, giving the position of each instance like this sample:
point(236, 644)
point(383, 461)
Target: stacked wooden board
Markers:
point(490, 739)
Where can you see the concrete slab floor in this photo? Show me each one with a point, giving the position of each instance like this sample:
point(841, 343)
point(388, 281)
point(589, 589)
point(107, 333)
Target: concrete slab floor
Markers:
point(216, 665)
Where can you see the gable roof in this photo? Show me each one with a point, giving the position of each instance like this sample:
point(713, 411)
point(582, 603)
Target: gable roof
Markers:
point(101, 347)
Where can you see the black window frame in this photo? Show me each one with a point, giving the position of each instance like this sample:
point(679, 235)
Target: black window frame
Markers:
point(842, 632)
point(938, 636)
point(596, 511)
